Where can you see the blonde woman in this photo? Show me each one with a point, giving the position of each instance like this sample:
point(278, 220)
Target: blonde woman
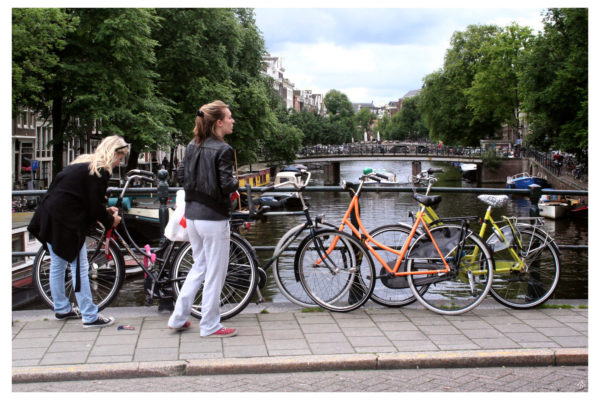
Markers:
point(75, 200)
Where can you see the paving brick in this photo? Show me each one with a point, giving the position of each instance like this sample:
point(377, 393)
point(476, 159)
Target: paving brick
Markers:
point(320, 328)
point(28, 354)
point(31, 343)
point(414, 345)
point(78, 357)
point(87, 336)
point(70, 346)
point(161, 354)
point(245, 351)
point(325, 337)
point(113, 350)
point(283, 334)
point(288, 344)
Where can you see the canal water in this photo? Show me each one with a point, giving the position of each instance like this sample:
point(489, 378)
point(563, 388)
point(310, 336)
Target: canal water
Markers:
point(385, 208)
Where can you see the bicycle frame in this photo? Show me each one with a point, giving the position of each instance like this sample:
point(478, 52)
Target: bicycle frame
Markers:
point(361, 231)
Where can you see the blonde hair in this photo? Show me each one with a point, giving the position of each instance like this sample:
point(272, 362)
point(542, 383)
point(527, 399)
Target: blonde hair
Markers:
point(206, 120)
point(107, 152)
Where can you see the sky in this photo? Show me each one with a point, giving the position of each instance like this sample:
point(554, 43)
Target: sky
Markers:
point(372, 54)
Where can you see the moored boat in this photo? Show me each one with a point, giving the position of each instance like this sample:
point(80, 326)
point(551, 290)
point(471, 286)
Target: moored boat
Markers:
point(524, 180)
point(23, 291)
point(553, 209)
point(285, 200)
point(390, 178)
point(468, 171)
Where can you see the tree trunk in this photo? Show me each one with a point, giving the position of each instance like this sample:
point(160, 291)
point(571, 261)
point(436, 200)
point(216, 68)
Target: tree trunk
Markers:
point(132, 162)
point(57, 136)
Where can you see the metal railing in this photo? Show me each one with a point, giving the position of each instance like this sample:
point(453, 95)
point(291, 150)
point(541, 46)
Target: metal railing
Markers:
point(534, 194)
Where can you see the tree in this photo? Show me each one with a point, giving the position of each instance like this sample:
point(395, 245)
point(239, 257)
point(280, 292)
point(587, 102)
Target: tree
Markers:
point(38, 35)
point(555, 82)
point(99, 76)
point(215, 53)
point(364, 120)
point(445, 94)
point(337, 103)
point(494, 93)
point(341, 127)
point(410, 121)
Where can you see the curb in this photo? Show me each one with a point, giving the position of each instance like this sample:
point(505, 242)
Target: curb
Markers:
point(257, 365)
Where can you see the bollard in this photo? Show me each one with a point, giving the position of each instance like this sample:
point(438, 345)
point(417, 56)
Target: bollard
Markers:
point(535, 193)
point(163, 197)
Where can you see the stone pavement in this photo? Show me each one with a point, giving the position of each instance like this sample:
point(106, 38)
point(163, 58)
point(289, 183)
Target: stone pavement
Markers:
point(275, 338)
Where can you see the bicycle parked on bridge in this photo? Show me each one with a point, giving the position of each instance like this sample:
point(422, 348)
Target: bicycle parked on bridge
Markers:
point(166, 267)
point(526, 257)
point(449, 269)
point(348, 257)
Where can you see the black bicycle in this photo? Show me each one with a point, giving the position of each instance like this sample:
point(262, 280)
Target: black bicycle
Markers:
point(165, 267)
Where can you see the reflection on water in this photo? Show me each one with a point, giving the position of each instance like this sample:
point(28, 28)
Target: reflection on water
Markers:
point(386, 208)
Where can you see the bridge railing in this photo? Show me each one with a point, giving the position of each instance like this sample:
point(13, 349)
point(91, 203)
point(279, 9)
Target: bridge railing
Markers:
point(534, 193)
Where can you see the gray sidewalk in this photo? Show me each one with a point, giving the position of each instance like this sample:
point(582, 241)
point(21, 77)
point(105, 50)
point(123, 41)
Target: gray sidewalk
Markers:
point(275, 337)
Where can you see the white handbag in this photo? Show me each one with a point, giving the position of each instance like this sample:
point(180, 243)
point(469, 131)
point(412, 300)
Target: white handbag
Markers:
point(176, 230)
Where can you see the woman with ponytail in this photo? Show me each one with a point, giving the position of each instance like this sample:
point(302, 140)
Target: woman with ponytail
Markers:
point(208, 181)
point(75, 200)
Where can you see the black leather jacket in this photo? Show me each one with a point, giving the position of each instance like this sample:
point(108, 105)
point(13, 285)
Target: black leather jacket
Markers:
point(208, 175)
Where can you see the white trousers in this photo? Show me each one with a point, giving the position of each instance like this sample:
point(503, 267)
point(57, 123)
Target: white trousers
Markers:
point(210, 251)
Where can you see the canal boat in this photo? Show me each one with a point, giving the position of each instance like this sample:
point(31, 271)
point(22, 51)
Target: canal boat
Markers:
point(285, 200)
point(390, 178)
point(23, 291)
point(524, 180)
point(468, 171)
point(553, 209)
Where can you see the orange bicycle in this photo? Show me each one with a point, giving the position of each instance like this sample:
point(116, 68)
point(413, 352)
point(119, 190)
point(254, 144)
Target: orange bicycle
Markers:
point(448, 268)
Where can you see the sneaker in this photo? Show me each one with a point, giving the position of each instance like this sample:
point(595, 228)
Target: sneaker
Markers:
point(222, 333)
point(100, 322)
point(73, 314)
point(182, 327)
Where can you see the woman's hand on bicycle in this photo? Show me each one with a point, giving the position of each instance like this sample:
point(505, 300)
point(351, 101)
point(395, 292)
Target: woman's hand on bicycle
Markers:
point(117, 219)
point(112, 210)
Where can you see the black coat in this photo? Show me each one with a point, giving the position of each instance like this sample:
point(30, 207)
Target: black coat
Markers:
point(73, 203)
point(208, 175)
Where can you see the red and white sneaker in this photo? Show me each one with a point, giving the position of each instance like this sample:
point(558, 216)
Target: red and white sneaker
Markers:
point(222, 333)
point(182, 327)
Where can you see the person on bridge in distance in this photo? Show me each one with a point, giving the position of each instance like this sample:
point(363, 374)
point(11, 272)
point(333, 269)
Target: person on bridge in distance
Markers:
point(208, 181)
point(75, 200)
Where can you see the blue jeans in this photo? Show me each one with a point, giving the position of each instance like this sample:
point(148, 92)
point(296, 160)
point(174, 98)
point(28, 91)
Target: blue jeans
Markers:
point(58, 269)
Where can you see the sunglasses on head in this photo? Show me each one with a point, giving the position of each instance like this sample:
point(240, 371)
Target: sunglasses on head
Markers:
point(122, 147)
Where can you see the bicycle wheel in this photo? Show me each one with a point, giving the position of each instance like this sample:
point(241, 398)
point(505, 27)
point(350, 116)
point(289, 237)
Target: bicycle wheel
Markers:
point(469, 279)
point(106, 276)
point(240, 282)
point(341, 280)
point(536, 281)
point(392, 291)
point(286, 278)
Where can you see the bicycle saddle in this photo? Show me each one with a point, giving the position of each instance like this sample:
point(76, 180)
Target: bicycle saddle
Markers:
point(495, 201)
point(427, 200)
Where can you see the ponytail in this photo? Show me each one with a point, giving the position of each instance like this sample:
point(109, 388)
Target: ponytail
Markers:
point(206, 120)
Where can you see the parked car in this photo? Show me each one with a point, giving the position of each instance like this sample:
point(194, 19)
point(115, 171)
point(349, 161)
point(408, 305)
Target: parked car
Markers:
point(422, 150)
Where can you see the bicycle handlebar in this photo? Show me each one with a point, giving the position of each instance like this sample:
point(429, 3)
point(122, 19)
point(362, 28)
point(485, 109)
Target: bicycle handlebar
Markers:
point(140, 172)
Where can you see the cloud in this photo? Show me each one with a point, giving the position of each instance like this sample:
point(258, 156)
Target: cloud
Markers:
point(372, 54)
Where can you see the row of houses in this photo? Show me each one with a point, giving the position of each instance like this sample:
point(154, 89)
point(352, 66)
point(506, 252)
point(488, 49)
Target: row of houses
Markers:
point(32, 151)
point(297, 99)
